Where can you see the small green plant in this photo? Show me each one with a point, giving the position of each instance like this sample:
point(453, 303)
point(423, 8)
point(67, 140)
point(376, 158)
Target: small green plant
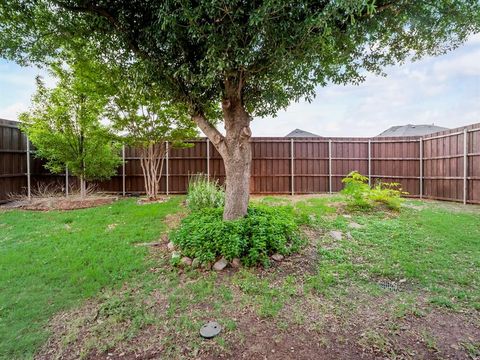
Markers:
point(388, 194)
point(175, 259)
point(356, 189)
point(204, 193)
point(362, 197)
point(264, 231)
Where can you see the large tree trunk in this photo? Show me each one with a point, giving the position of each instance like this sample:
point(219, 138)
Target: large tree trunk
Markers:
point(237, 158)
point(235, 150)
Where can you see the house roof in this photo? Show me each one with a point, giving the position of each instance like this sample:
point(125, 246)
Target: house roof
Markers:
point(301, 133)
point(411, 130)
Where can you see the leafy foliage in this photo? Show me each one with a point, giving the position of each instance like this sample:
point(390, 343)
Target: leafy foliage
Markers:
point(264, 231)
point(145, 120)
point(357, 189)
point(276, 52)
point(361, 196)
point(388, 194)
point(204, 193)
point(139, 111)
point(64, 125)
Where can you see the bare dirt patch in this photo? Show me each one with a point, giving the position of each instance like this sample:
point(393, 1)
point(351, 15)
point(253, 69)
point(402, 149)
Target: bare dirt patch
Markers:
point(309, 327)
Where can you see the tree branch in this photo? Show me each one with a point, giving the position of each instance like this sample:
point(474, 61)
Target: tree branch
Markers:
point(211, 131)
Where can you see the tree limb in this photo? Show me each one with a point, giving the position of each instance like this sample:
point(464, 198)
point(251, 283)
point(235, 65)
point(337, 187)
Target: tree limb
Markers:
point(211, 131)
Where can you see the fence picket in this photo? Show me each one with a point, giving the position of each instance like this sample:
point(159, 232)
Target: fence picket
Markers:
point(440, 165)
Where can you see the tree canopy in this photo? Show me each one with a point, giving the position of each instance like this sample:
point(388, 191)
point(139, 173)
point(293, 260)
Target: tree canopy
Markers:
point(139, 112)
point(274, 51)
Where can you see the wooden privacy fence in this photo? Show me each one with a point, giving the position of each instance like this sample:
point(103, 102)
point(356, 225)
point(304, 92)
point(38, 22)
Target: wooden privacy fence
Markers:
point(444, 165)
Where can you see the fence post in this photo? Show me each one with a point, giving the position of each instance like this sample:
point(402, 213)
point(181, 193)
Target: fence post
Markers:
point(166, 170)
point(208, 158)
point(330, 166)
point(66, 181)
point(292, 166)
point(29, 189)
point(465, 166)
point(369, 162)
point(421, 168)
point(123, 170)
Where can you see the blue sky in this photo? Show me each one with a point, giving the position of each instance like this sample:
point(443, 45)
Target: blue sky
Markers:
point(444, 91)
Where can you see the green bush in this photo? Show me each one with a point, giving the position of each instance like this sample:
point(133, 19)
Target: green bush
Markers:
point(361, 196)
point(356, 189)
point(264, 231)
point(388, 194)
point(203, 193)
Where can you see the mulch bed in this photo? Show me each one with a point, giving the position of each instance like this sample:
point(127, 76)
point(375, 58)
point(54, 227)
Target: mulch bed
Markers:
point(57, 203)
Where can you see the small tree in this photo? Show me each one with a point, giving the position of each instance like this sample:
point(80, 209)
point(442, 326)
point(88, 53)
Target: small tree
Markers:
point(63, 124)
point(148, 123)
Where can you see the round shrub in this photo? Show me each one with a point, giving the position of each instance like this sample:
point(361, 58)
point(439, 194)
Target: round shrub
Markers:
point(264, 231)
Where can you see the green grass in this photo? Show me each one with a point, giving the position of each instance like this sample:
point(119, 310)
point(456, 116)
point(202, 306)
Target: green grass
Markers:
point(54, 261)
point(50, 261)
point(433, 250)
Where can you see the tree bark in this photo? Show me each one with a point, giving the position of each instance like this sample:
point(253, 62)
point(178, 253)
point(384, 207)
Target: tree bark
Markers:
point(237, 158)
point(151, 161)
point(235, 150)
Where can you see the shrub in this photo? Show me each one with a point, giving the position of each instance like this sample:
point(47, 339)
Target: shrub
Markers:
point(356, 189)
point(361, 196)
point(203, 193)
point(264, 231)
point(388, 194)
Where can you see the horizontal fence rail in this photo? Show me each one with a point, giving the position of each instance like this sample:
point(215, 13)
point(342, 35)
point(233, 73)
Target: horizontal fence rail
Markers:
point(444, 165)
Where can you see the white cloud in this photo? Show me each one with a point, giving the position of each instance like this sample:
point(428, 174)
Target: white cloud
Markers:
point(12, 111)
point(443, 90)
point(467, 64)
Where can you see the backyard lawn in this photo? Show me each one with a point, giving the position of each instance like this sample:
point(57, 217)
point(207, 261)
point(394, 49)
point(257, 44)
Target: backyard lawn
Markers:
point(73, 284)
point(51, 261)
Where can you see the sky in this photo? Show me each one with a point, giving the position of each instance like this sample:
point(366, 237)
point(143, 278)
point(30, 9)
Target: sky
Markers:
point(443, 90)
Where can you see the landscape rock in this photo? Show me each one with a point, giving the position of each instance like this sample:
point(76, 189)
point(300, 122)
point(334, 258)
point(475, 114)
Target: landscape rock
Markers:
point(186, 261)
point(277, 257)
point(207, 266)
point(220, 264)
point(195, 263)
point(236, 263)
point(336, 235)
point(349, 236)
point(171, 246)
point(354, 225)
point(346, 216)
